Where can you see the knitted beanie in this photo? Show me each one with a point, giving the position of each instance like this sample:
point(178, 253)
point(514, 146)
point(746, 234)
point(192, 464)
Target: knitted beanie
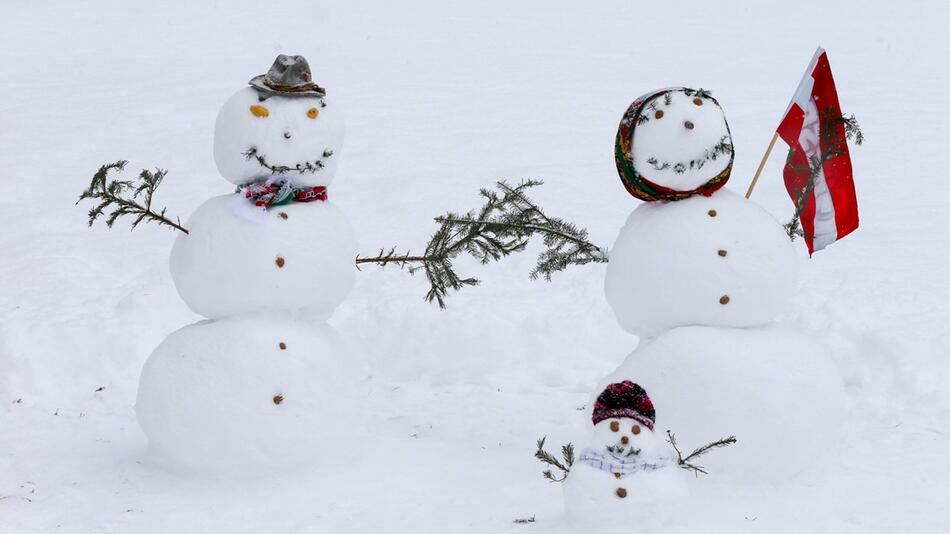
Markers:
point(625, 399)
point(636, 183)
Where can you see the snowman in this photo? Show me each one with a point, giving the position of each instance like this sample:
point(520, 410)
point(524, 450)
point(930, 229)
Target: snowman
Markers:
point(699, 273)
point(628, 473)
point(263, 382)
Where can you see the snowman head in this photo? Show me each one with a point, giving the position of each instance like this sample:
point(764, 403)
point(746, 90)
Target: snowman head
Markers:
point(672, 144)
point(282, 124)
point(623, 420)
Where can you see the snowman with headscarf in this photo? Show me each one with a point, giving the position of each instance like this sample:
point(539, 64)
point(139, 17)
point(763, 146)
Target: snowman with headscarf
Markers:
point(264, 382)
point(700, 273)
point(627, 469)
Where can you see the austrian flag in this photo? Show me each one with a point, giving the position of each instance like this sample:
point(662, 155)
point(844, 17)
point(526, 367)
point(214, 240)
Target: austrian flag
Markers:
point(814, 131)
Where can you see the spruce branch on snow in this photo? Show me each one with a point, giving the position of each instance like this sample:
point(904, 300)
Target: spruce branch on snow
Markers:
point(686, 462)
point(502, 226)
point(126, 197)
point(835, 148)
point(567, 453)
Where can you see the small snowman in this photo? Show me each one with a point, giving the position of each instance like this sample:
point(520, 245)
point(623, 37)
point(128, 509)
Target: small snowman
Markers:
point(628, 470)
point(699, 273)
point(264, 382)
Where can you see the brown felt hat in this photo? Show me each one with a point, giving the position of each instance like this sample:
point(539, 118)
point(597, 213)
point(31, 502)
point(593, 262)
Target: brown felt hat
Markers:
point(288, 76)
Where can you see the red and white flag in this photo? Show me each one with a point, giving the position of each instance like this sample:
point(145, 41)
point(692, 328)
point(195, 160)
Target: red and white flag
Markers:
point(812, 127)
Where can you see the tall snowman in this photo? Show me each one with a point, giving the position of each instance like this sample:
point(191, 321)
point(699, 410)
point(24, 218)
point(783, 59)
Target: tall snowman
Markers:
point(264, 381)
point(700, 274)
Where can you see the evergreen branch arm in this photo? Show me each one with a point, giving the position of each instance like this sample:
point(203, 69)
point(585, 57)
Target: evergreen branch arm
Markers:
point(502, 226)
point(567, 452)
point(687, 462)
point(124, 197)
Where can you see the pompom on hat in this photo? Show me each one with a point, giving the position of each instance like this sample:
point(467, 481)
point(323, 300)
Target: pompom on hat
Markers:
point(625, 399)
point(636, 183)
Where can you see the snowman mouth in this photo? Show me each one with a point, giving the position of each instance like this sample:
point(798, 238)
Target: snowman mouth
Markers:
point(619, 451)
point(305, 167)
point(723, 147)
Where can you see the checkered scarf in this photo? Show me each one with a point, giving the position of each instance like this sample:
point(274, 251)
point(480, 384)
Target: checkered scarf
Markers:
point(625, 466)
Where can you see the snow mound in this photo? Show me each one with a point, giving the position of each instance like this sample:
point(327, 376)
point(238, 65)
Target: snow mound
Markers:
point(243, 395)
point(715, 261)
point(284, 131)
point(778, 393)
point(293, 257)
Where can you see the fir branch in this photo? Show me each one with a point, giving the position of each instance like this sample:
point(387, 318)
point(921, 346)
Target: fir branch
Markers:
point(504, 225)
point(125, 197)
point(721, 148)
point(567, 453)
point(300, 168)
point(686, 463)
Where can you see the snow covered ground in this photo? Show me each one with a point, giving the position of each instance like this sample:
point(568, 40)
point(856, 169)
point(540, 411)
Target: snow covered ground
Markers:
point(442, 98)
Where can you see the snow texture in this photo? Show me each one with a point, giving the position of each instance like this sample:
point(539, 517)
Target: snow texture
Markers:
point(675, 262)
point(283, 133)
point(295, 257)
point(442, 98)
point(777, 392)
point(250, 395)
point(664, 140)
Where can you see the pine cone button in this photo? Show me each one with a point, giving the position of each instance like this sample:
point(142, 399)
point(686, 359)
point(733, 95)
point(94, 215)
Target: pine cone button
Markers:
point(278, 399)
point(283, 215)
point(724, 300)
point(712, 213)
point(280, 262)
point(616, 475)
point(621, 493)
point(722, 253)
point(282, 345)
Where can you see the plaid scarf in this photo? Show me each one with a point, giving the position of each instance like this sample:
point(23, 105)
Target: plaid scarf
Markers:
point(624, 466)
point(277, 191)
point(637, 184)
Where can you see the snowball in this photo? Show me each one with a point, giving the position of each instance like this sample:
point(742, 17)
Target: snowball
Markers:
point(283, 133)
point(652, 497)
point(250, 393)
point(676, 264)
point(299, 256)
point(664, 140)
point(778, 393)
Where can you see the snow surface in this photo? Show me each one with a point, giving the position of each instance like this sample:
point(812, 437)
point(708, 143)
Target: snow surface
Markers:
point(441, 99)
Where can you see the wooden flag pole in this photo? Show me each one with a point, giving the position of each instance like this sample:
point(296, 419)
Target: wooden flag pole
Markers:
point(761, 165)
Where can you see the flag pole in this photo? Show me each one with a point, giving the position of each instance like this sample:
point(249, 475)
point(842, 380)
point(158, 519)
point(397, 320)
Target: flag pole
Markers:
point(758, 171)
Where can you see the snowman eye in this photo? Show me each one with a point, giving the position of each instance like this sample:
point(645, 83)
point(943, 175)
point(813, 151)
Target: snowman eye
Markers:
point(635, 430)
point(615, 426)
point(698, 101)
point(659, 114)
point(259, 111)
point(313, 113)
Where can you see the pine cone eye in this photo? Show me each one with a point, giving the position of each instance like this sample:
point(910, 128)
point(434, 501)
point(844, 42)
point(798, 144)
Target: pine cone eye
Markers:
point(615, 426)
point(313, 113)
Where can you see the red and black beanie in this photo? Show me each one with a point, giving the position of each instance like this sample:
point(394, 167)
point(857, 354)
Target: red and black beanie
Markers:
point(625, 399)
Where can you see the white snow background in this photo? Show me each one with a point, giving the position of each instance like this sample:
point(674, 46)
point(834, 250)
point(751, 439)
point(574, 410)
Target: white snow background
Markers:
point(443, 98)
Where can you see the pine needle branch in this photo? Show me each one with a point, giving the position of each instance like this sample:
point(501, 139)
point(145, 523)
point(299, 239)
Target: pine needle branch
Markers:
point(125, 197)
point(686, 463)
point(502, 226)
point(567, 453)
point(299, 168)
